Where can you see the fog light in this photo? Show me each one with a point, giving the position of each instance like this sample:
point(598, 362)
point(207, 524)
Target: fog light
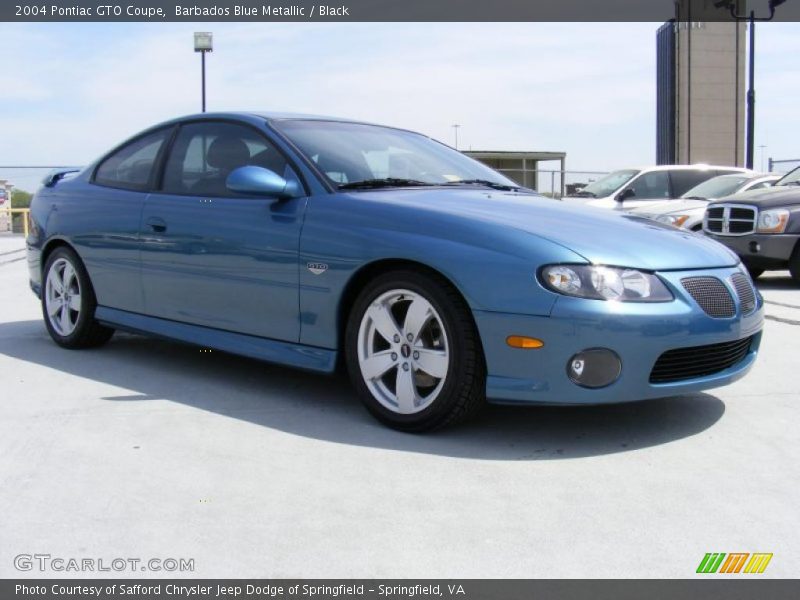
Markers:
point(594, 368)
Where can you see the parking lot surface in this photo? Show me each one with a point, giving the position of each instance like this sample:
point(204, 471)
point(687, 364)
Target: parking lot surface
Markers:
point(151, 449)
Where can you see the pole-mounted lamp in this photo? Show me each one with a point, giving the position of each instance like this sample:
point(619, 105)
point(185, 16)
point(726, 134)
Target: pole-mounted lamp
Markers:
point(203, 42)
point(731, 5)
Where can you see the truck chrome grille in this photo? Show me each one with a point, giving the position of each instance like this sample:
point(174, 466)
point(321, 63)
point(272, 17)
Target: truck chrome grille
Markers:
point(730, 219)
point(712, 295)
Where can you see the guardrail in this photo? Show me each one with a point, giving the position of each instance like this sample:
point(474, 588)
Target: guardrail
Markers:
point(10, 212)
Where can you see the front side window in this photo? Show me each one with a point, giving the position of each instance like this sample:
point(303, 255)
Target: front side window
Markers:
point(351, 153)
point(761, 185)
point(649, 186)
point(131, 167)
point(204, 154)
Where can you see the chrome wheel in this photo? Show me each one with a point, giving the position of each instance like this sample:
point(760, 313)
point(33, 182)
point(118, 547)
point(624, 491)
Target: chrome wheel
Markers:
point(63, 297)
point(403, 351)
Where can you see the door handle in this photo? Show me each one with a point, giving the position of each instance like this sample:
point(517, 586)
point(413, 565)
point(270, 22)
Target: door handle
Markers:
point(157, 224)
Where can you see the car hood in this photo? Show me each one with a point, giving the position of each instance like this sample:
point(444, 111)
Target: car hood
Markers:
point(766, 197)
point(600, 236)
point(671, 207)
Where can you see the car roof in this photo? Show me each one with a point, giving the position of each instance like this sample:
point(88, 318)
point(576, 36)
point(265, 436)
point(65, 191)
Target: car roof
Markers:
point(694, 167)
point(273, 116)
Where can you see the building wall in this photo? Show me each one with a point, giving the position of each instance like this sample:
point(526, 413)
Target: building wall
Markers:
point(711, 84)
point(709, 93)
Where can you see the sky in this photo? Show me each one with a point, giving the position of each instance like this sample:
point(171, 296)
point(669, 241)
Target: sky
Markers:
point(71, 91)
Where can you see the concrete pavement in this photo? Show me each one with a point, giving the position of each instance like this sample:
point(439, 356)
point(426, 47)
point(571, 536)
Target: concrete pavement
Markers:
point(151, 449)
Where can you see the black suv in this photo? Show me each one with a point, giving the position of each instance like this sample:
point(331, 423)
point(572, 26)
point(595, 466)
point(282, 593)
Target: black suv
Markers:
point(761, 226)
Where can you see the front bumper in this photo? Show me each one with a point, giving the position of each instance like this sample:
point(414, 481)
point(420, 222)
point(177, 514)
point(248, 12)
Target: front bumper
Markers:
point(761, 250)
point(637, 332)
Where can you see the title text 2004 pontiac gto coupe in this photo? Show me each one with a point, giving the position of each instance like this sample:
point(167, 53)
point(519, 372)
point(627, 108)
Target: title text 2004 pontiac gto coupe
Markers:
point(441, 283)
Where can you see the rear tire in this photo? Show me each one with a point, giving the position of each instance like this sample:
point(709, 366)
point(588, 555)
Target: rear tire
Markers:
point(413, 352)
point(68, 302)
point(794, 263)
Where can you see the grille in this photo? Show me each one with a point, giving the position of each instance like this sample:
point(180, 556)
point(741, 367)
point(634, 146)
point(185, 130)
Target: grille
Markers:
point(712, 295)
point(744, 289)
point(730, 220)
point(698, 361)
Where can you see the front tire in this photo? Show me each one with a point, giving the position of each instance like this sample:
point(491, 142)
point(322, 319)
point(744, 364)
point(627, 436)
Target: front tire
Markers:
point(754, 272)
point(68, 302)
point(413, 352)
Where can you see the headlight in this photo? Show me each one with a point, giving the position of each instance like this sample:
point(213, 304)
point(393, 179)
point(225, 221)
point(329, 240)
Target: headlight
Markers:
point(773, 221)
point(605, 283)
point(674, 220)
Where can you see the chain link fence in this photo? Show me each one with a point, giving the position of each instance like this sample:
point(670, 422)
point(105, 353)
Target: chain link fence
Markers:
point(783, 165)
point(28, 178)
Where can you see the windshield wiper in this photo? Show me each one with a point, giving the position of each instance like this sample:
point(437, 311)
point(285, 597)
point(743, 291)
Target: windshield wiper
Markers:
point(694, 198)
point(584, 194)
point(492, 184)
point(384, 182)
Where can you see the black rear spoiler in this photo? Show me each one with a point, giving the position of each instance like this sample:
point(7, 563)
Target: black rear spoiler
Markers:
point(56, 175)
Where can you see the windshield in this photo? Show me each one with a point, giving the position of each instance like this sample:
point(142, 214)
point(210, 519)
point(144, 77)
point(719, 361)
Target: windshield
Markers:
point(716, 187)
point(353, 153)
point(791, 178)
point(608, 184)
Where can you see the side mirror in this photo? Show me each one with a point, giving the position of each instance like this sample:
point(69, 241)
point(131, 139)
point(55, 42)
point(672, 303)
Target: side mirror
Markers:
point(625, 194)
point(259, 181)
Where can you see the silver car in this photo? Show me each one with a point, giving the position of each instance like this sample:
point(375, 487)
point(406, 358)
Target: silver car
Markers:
point(687, 212)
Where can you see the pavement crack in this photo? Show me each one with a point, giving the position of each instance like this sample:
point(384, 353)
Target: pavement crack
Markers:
point(782, 320)
point(781, 304)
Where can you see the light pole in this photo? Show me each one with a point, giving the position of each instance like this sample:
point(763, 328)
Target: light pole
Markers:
point(203, 42)
point(455, 129)
point(761, 147)
point(751, 90)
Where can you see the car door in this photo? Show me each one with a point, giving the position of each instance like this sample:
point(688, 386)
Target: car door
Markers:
point(106, 217)
point(215, 258)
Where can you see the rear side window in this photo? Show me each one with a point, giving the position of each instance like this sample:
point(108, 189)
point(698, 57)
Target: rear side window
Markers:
point(131, 167)
point(685, 179)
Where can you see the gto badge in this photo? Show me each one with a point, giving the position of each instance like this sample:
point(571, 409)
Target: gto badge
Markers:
point(317, 268)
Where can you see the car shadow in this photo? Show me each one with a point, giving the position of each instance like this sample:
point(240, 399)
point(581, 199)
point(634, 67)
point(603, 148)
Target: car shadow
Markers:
point(325, 407)
point(776, 281)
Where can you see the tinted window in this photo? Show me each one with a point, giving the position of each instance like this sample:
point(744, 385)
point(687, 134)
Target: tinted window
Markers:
point(132, 165)
point(204, 154)
point(654, 184)
point(686, 179)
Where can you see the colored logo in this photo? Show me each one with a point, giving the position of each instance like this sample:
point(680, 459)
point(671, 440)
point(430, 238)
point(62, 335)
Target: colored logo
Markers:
point(735, 562)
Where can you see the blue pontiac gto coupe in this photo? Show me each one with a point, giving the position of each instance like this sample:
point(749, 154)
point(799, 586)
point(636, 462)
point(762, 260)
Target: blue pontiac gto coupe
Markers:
point(439, 282)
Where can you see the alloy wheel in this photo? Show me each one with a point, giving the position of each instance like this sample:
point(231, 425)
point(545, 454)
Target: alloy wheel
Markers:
point(63, 297)
point(403, 351)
